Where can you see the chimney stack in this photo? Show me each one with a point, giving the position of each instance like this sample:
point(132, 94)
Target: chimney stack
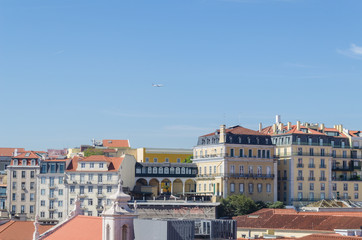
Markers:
point(298, 125)
point(274, 128)
point(281, 126)
point(260, 127)
point(222, 138)
point(322, 127)
point(289, 125)
point(277, 119)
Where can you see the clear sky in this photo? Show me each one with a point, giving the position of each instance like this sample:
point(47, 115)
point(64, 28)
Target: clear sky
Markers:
point(73, 70)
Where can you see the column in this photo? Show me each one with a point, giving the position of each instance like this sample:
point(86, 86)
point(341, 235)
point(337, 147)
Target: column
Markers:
point(225, 188)
point(183, 188)
point(160, 190)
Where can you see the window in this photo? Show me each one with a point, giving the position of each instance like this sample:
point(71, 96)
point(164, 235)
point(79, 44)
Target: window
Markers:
point(90, 201)
point(42, 192)
point(72, 189)
point(71, 201)
point(32, 174)
point(60, 192)
point(167, 160)
point(81, 190)
point(268, 187)
point(23, 197)
point(334, 186)
point(14, 197)
point(91, 165)
point(241, 152)
point(60, 214)
point(311, 196)
point(356, 195)
point(322, 152)
point(52, 168)
point(232, 169)
point(60, 180)
point(100, 189)
point(250, 153)
point(300, 186)
point(109, 189)
point(241, 170)
point(259, 187)
point(109, 177)
point(90, 189)
point(72, 176)
point(31, 209)
point(356, 186)
point(22, 174)
point(14, 185)
point(300, 195)
point(300, 151)
point(14, 174)
point(178, 160)
point(101, 165)
point(232, 187)
point(82, 165)
point(42, 214)
point(155, 160)
point(250, 169)
point(231, 152)
point(241, 187)
point(100, 178)
point(60, 203)
point(251, 188)
point(51, 181)
point(311, 151)
point(323, 186)
point(90, 177)
point(31, 196)
point(147, 160)
point(259, 170)
point(311, 186)
point(345, 186)
point(42, 203)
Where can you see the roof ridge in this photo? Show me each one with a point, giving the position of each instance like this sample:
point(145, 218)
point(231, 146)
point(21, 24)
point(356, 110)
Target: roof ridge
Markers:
point(11, 223)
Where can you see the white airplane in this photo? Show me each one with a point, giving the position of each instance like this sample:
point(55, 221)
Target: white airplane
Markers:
point(157, 85)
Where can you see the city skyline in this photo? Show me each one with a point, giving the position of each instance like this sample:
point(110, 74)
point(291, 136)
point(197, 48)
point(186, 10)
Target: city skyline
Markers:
point(73, 71)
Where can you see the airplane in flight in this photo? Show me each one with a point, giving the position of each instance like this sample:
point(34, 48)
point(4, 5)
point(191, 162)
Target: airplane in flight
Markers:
point(157, 85)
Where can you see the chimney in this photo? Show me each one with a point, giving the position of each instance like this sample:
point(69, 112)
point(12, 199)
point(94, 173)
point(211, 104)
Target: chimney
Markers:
point(340, 128)
point(222, 138)
point(260, 127)
point(322, 127)
point(281, 126)
point(298, 125)
point(289, 125)
point(277, 119)
point(274, 128)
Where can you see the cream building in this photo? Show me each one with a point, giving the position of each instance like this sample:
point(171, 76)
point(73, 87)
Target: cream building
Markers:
point(236, 160)
point(94, 179)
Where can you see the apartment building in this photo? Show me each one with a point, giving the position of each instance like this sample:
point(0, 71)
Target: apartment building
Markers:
point(94, 179)
point(21, 180)
point(52, 196)
point(163, 155)
point(236, 160)
point(315, 162)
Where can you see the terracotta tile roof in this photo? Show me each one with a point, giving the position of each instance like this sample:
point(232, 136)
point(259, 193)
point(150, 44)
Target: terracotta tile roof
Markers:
point(115, 143)
point(8, 152)
point(27, 155)
point(293, 129)
point(238, 130)
point(290, 219)
point(354, 133)
point(113, 163)
point(20, 230)
point(328, 236)
point(79, 228)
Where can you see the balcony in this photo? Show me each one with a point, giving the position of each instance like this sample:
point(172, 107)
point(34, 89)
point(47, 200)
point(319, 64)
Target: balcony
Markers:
point(299, 178)
point(100, 207)
point(322, 179)
point(322, 166)
point(249, 175)
point(52, 209)
point(311, 165)
point(52, 186)
point(100, 195)
point(52, 197)
point(311, 179)
point(300, 165)
point(345, 168)
point(82, 195)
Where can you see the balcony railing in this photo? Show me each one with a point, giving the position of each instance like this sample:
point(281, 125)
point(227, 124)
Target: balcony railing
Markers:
point(311, 178)
point(300, 165)
point(236, 175)
point(300, 178)
point(222, 155)
point(322, 166)
point(311, 165)
point(322, 179)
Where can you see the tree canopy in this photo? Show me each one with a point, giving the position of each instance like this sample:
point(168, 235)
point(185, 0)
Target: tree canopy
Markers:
point(93, 151)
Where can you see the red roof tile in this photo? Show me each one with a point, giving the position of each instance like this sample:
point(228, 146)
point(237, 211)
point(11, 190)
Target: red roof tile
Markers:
point(9, 152)
point(79, 228)
point(238, 130)
point(116, 143)
point(20, 230)
point(114, 163)
point(27, 155)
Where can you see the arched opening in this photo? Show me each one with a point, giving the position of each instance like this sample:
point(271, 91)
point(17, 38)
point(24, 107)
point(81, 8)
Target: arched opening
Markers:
point(155, 186)
point(190, 185)
point(177, 188)
point(166, 186)
point(108, 232)
point(124, 232)
point(141, 182)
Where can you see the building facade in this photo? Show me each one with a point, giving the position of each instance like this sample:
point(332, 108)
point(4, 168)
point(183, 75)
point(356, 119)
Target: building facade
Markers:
point(21, 179)
point(315, 162)
point(52, 196)
point(163, 155)
point(94, 179)
point(236, 160)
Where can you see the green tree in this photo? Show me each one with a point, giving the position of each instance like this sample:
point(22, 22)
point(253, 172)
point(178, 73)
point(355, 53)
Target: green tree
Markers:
point(188, 159)
point(236, 205)
point(276, 204)
point(93, 151)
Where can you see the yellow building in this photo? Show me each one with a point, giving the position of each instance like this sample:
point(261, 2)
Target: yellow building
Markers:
point(163, 155)
point(315, 162)
point(236, 160)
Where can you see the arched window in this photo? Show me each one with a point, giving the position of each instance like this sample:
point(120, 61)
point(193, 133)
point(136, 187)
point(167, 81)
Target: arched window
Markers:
point(108, 232)
point(23, 162)
point(124, 232)
point(15, 162)
point(33, 162)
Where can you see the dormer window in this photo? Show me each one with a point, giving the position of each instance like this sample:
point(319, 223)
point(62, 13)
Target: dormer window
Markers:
point(23, 162)
point(27, 154)
point(15, 162)
point(249, 140)
point(33, 162)
point(101, 165)
point(239, 139)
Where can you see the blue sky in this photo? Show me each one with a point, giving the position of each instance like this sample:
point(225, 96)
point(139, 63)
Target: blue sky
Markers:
point(73, 70)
